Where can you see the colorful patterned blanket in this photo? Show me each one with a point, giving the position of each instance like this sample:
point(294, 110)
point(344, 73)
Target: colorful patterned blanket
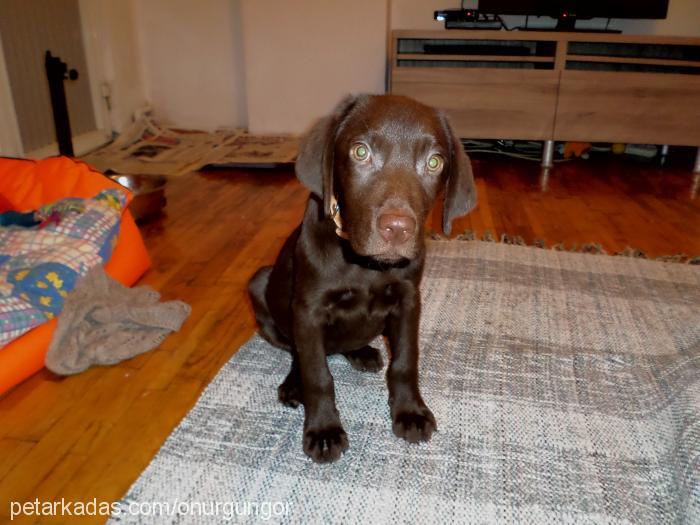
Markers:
point(41, 264)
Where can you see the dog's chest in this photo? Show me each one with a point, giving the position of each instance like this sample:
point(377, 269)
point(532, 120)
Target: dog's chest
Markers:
point(380, 297)
point(355, 313)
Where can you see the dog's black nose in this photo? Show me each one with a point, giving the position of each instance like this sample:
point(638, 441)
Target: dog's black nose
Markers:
point(395, 228)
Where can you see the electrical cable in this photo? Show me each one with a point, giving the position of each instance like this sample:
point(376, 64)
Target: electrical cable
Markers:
point(504, 25)
point(508, 154)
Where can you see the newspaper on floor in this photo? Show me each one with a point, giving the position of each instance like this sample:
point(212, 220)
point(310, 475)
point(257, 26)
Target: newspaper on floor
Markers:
point(150, 148)
point(257, 150)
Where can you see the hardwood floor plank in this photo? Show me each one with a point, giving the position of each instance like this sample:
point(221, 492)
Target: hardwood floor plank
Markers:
point(11, 452)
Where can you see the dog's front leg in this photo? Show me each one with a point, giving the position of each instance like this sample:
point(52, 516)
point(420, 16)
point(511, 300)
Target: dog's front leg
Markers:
point(411, 418)
point(324, 437)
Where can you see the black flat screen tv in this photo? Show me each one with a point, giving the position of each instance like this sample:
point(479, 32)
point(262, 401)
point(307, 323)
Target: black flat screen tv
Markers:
point(578, 8)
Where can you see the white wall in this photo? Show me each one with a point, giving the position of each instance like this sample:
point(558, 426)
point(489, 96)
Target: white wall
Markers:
point(191, 60)
point(302, 57)
point(10, 142)
point(683, 19)
point(109, 29)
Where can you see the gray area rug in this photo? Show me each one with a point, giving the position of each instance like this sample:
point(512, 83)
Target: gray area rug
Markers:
point(566, 388)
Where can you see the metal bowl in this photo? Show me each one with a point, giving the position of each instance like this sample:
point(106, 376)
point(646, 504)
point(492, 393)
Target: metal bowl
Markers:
point(149, 194)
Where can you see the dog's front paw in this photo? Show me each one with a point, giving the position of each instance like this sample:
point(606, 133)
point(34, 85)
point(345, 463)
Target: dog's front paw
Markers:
point(325, 445)
point(414, 424)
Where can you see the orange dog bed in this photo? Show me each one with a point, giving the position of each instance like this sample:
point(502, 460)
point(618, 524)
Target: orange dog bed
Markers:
point(27, 185)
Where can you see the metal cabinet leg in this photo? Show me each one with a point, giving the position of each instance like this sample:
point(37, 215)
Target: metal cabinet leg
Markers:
point(544, 179)
point(696, 169)
point(547, 153)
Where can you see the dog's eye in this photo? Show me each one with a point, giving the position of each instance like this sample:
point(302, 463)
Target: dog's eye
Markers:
point(360, 152)
point(435, 163)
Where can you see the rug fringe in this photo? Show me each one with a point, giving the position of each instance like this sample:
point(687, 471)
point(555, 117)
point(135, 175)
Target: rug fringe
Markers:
point(591, 247)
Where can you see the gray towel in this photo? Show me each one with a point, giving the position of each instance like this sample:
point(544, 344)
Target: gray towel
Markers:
point(104, 322)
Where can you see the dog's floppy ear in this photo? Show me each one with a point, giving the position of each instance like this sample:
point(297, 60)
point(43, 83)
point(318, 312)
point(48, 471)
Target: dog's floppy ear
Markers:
point(314, 164)
point(460, 191)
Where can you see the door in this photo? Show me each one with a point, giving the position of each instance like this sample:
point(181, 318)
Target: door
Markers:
point(28, 28)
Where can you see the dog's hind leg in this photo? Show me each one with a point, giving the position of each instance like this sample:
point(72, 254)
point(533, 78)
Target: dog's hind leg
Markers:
point(268, 329)
point(289, 392)
point(365, 359)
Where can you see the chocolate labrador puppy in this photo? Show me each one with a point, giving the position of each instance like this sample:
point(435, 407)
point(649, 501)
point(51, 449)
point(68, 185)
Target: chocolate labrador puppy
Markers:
point(351, 270)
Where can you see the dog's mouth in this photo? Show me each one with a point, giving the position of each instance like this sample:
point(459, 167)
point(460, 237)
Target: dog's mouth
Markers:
point(383, 261)
point(386, 254)
point(376, 257)
point(389, 258)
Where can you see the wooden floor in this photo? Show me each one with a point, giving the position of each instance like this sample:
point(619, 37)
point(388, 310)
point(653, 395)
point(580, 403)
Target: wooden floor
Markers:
point(91, 435)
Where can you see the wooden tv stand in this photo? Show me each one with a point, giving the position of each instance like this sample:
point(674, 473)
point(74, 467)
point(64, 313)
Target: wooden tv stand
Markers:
point(555, 86)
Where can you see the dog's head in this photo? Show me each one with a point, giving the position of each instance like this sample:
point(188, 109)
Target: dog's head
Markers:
point(383, 159)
